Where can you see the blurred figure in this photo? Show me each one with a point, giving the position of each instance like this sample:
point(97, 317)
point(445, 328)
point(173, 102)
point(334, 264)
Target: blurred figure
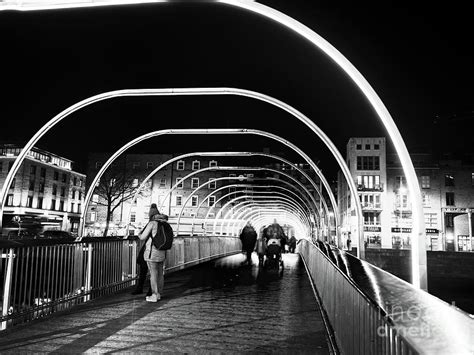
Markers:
point(261, 249)
point(292, 244)
point(248, 236)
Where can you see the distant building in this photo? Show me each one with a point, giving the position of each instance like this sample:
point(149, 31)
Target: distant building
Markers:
point(46, 193)
point(447, 187)
point(174, 204)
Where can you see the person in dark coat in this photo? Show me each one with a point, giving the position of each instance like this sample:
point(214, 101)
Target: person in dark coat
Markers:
point(248, 236)
point(292, 244)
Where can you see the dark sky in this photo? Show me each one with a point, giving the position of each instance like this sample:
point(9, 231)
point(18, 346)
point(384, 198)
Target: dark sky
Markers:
point(418, 58)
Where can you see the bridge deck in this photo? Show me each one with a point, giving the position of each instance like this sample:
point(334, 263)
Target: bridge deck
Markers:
point(215, 307)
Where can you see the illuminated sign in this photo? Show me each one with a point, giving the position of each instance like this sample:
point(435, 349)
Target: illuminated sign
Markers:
point(372, 229)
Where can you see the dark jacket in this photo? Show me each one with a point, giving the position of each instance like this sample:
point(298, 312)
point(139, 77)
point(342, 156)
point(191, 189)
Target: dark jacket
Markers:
point(248, 238)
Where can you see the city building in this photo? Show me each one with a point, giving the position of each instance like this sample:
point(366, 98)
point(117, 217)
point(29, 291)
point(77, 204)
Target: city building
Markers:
point(447, 187)
point(46, 193)
point(176, 203)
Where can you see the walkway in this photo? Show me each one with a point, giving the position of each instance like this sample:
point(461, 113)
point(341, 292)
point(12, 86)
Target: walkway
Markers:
point(218, 307)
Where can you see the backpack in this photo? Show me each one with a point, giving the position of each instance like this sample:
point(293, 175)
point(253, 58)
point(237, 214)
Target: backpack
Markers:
point(163, 239)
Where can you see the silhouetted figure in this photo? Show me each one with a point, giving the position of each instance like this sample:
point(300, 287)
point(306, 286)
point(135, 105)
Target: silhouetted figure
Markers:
point(292, 244)
point(248, 236)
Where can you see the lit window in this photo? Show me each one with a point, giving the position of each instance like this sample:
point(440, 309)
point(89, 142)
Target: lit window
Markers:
point(196, 165)
point(135, 183)
point(426, 200)
point(95, 198)
point(448, 180)
point(93, 216)
point(180, 165)
point(194, 183)
point(194, 201)
point(179, 183)
point(425, 182)
point(10, 200)
point(133, 217)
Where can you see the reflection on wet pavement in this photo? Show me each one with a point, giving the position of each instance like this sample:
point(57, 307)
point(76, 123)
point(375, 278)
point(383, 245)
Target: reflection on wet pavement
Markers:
point(221, 306)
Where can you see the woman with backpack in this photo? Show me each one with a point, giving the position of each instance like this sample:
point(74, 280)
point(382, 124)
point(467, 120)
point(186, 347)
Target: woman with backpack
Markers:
point(154, 258)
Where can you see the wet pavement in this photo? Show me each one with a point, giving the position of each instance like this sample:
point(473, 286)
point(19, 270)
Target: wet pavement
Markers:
point(218, 307)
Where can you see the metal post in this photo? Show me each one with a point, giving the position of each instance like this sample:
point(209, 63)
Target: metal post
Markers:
point(88, 284)
point(8, 283)
point(469, 222)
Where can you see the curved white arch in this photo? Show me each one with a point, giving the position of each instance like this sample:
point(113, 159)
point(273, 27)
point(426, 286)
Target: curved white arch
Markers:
point(242, 186)
point(266, 216)
point(255, 199)
point(241, 209)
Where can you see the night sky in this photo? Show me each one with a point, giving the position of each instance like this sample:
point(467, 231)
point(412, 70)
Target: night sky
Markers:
point(418, 58)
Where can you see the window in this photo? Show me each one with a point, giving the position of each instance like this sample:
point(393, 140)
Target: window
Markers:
point(368, 163)
point(449, 198)
point(29, 201)
point(213, 163)
point(112, 182)
point(371, 218)
point(194, 201)
point(53, 205)
point(376, 146)
point(75, 181)
point(93, 216)
point(43, 172)
point(55, 189)
point(448, 180)
point(162, 183)
point(402, 201)
point(64, 178)
point(39, 204)
point(400, 182)
point(33, 170)
point(449, 220)
point(180, 165)
point(31, 186)
point(179, 200)
point(10, 200)
point(359, 146)
point(149, 165)
point(180, 183)
point(135, 165)
point(194, 183)
point(63, 192)
point(12, 186)
point(133, 217)
point(95, 198)
point(56, 176)
point(196, 165)
point(41, 187)
point(472, 179)
point(426, 200)
point(431, 220)
point(80, 195)
point(212, 183)
point(80, 182)
point(61, 205)
point(367, 147)
point(135, 183)
point(369, 182)
point(211, 215)
point(78, 208)
point(425, 182)
point(211, 201)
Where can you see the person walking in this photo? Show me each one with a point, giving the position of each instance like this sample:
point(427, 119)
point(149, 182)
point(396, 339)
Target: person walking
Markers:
point(154, 258)
point(248, 236)
point(292, 244)
point(349, 241)
point(261, 248)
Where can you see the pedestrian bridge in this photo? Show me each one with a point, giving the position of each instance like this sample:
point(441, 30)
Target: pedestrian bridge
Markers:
point(75, 297)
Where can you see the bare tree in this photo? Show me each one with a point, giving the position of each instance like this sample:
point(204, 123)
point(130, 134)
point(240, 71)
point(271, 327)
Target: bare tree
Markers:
point(116, 186)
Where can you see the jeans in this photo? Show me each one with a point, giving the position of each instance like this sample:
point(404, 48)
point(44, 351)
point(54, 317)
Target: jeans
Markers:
point(157, 280)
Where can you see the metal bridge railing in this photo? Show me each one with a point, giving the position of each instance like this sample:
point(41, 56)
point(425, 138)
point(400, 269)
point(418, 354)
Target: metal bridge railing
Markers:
point(374, 312)
point(42, 277)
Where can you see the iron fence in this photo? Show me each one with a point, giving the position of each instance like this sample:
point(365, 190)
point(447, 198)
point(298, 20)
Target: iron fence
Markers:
point(41, 279)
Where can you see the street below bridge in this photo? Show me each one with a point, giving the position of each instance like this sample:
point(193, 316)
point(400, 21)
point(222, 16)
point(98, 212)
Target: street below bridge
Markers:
point(217, 307)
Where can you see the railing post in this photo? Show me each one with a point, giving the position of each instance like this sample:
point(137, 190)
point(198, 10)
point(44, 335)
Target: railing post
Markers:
point(88, 284)
point(7, 286)
point(134, 261)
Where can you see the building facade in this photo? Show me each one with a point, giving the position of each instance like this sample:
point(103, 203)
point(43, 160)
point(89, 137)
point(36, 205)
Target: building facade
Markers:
point(447, 188)
point(167, 188)
point(46, 193)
